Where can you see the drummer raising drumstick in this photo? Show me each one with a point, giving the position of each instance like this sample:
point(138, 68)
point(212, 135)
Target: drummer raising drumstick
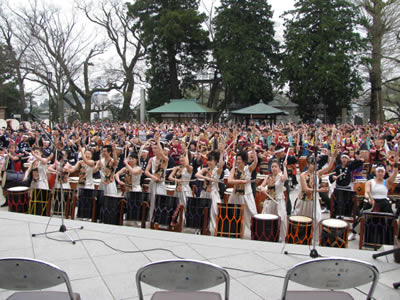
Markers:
point(273, 186)
point(376, 189)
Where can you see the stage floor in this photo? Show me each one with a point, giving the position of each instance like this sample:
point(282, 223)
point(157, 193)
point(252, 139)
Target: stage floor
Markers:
point(98, 272)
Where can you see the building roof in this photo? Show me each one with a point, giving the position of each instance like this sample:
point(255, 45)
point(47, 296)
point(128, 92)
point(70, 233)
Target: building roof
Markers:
point(182, 106)
point(260, 109)
point(282, 101)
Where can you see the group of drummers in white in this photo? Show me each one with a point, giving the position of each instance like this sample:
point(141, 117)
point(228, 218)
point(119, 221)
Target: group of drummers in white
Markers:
point(241, 213)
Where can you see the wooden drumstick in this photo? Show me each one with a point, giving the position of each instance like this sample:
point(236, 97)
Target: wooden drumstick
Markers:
point(272, 199)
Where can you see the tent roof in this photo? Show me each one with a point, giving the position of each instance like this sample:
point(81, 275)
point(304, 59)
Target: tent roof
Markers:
point(260, 109)
point(182, 106)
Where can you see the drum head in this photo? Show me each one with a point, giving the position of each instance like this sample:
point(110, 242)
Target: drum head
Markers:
point(170, 187)
point(3, 124)
point(266, 217)
point(325, 179)
point(73, 179)
point(229, 191)
point(18, 189)
point(301, 219)
point(334, 223)
point(97, 181)
point(261, 176)
point(114, 196)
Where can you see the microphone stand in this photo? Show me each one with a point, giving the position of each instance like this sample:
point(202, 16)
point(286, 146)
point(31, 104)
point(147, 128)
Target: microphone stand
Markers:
point(59, 174)
point(313, 252)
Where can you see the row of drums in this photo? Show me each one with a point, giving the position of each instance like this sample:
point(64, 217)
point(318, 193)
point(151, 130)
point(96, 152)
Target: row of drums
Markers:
point(168, 214)
point(333, 232)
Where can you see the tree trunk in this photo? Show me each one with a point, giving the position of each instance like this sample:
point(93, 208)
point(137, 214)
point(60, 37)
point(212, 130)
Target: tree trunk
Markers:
point(175, 93)
point(126, 106)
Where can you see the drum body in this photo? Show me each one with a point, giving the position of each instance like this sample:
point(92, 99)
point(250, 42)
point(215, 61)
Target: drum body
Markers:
point(87, 203)
point(359, 188)
point(260, 198)
point(3, 124)
point(73, 183)
point(40, 202)
point(164, 208)
point(111, 210)
point(377, 229)
point(333, 233)
point(170, 189)
point(265, 227)
point(18, 199)
point(197, 213)
point(365, 155)
point(13, 124)
point(230, 220)
point(13, 179)
point(302, 163)
point(300, 230)
point(67, 197)
point(51, 178)
point(137, 205)
point(343, 203)
point(260, 178)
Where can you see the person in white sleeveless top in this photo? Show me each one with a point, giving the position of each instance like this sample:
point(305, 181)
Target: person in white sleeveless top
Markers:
point(157, 164)
point(86, 168)
point(181, 176)
point(108, 164)
point(211, 176)
point(273, 187)
point(240, 177)
point(39, 170)
point(132, 174)
point(376, 189)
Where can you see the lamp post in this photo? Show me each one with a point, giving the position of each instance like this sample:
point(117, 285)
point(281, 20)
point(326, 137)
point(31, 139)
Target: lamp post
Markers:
point(49, 78)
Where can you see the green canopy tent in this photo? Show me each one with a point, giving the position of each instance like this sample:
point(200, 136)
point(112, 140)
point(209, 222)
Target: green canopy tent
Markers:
point(183, 110)
point(260, 111)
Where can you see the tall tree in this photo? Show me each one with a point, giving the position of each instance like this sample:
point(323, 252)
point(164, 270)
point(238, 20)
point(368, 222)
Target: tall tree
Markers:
point(381, 19)
point(111, 16)
point(246, 50)
point(177, 45)
point(9, 94)
point(321, 56)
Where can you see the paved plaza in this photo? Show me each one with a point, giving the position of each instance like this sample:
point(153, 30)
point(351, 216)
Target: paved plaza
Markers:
point(98, 272)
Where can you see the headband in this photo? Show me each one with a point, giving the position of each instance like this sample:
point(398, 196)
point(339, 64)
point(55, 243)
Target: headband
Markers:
point(380, 168)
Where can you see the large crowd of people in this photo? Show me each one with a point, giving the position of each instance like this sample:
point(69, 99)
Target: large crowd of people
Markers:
point(254, 158)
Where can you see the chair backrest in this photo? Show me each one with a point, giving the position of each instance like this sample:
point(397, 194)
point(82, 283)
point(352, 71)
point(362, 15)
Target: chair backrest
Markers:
point(333, 274)
point(25, 274)
point(182, 275)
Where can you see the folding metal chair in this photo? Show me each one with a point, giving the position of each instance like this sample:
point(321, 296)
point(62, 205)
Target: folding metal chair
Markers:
point(330, 274)
point(183, 279)
point(30, 276)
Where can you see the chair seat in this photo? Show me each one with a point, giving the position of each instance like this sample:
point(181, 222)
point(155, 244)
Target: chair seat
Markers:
point(45, 295)
point(326, 295)
point(185, 296)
